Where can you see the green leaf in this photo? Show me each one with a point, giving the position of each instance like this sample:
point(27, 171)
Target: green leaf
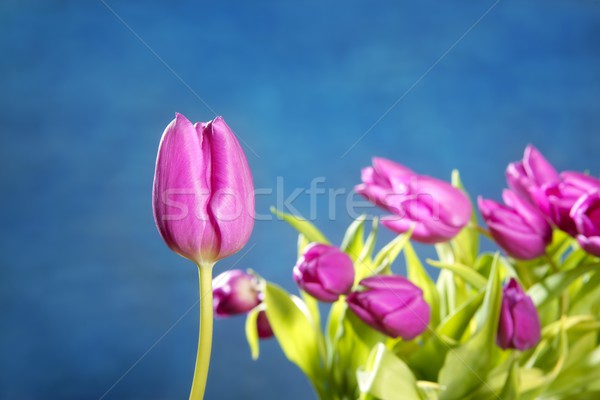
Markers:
point(510, 391)
point(468, 274)
point(293, 328)
point(252, 332)
point(302, 243)
point(302, 225)
point(387, 255)
point(466, 244)
point(551, 287)
point(387, 377)
point(370, 242)
point(466, 367)
point(417, 275)
point(353, 241)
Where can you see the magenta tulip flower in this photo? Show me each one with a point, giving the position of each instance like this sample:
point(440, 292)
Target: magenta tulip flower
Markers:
point(519, 326)
point(531, 174)
point(392, 305)
point(557, 200)
point(324, 272)
point(586, 214)
point(203, 197)
point(263, 326)
point(235, 292)
point(434, 209)
point(518, 227)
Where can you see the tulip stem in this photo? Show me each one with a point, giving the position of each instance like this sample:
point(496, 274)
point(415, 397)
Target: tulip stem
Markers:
point(205, 332)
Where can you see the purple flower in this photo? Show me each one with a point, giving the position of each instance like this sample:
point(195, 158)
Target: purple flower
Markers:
point(203, 196)
point(556, 200)
point(324, 272)
point(531, 174)
point(586, 214)
point(235, 292)
point(263, 326)
point(391, 305)
point(519, 325)
point(517, 227)
point(435, 210)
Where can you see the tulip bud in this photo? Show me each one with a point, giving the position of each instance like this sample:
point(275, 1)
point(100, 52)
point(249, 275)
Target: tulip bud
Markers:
point(557, 200)
point(324, 272)
point(203, 198)
point(235, 292)
point(532, 173)
point(434, 209)
point(586, 214)
point(519, 325)
point(517, 227)
point(392, 305)
point(263, 326)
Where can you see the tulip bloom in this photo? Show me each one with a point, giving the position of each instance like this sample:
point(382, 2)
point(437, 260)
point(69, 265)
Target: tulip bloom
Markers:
point(263, 326)
point(203, 197)
point(434, 209)
point(586, 214)
point(392, 305)
point(557, 200)
point(519, 326)
point(517, 227)
point(324, 272)
point(531, 174)
point(235, 292)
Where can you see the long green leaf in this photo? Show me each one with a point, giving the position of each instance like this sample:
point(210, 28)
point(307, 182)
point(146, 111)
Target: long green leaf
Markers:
point(252, 332)
point(469, 275)
point(466, 244)
point(302, 225)
point(551, 287)
point(417, 275)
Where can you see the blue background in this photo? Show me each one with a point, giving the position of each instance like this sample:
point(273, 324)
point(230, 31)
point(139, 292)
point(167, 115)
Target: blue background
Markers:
point(86, 285)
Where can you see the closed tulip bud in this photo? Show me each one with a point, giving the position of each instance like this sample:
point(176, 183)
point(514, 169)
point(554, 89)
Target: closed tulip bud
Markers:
point(235, 292)
point(203, 198)
point(557, 200)
point(517, 227)
point(531, 174)
point(263, 326)
point(586, 214)
point(324, 272)
point(519, 325)
point(392, 305)
point(434, 209)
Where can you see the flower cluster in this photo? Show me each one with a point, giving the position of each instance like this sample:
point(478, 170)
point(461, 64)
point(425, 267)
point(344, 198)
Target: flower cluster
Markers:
point(464, 336)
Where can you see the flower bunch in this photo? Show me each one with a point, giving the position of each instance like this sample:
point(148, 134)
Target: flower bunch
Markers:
point(522, 323)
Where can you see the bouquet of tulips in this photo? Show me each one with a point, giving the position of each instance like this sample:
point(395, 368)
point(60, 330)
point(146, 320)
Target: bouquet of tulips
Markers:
point(518, 324)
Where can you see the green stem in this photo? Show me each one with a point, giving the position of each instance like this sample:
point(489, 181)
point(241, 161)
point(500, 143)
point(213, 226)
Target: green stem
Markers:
point(205, 333)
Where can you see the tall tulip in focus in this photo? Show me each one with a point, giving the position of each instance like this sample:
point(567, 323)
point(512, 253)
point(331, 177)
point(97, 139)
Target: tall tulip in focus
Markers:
point(203, 203)
point(434, 209)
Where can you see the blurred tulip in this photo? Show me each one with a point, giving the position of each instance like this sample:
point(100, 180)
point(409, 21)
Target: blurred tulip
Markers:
point(517, 227)
point(391, 305)
point(586, 214)
point(324, 272)
point(557, 200)
point(235, 292)
point(203, 198)
point(263, 326)
point(519, 325)
point(531, 174)
point(435, 210)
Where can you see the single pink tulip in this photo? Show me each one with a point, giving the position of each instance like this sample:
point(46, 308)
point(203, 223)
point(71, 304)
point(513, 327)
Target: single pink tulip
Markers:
point(586, 214)
point(518, 227)
point(203, 198)
point(529, 175)
point(434, 209)
point(235, 292)
point(519, 326)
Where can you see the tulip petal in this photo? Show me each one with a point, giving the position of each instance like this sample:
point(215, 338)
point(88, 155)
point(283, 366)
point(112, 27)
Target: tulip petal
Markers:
point(527, 329)
point(409, 321)
point(505, 326)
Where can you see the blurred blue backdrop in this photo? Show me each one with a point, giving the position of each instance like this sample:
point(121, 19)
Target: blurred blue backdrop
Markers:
point(87, 287)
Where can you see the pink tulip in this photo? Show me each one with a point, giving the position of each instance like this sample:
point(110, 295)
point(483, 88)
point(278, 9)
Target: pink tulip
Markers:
point(518, 227)
point(519, 326)
point(203, 198)
point(263, 326)
point(392, 305)
point(531, 174)
point(586, 214)
point(235, 292)
point(434, 209)
point(557, 200)
point(324, 272)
